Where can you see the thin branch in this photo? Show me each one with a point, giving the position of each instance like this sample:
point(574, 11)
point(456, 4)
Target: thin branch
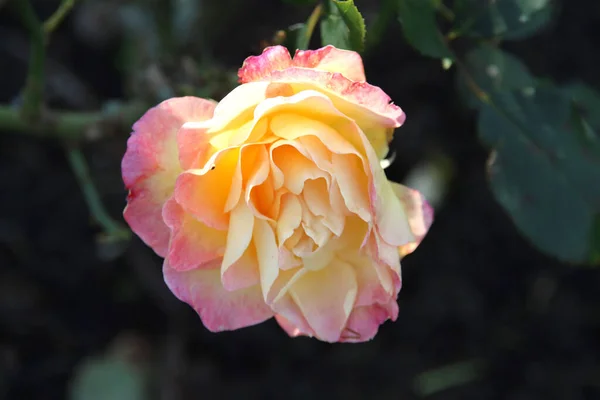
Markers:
point(59, 15)
point(71, 125)
point(33, 94)
point(109, 226)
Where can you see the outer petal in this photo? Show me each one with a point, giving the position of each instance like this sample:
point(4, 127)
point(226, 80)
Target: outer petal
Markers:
point(375, 282)
point(150, 165)
point(193, 244)
point(218, 309)
point(418, 212)
point(290, 318)
point(257, 68)
point(391, 221)
point(329, 58)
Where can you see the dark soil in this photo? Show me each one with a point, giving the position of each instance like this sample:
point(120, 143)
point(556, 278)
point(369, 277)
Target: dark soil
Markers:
point(474, 290)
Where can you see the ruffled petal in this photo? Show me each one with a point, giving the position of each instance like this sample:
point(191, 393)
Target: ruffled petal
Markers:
point(240, 268)
point(326, 298)
point(204, 193)
point(150, 165)
point(219, 309)
point(331, 59)
point(366, 104)
point(267, 254)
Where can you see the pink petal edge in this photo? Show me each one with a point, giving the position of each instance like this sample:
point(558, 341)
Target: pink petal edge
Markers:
point(150, 166)
point(219, 309)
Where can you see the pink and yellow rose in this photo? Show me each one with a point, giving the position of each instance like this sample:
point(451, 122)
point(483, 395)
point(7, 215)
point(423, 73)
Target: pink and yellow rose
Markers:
point(273, 201)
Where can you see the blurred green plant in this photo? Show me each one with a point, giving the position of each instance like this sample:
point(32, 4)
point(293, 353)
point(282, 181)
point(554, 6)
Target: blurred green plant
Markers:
point(122, 373)
point(544, 165)
point(418, 20)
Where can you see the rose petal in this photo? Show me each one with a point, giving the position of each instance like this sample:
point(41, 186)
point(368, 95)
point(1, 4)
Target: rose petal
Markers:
point(390, 218)
point(364, 322)
point(367, 105)
point(329, 58)
point(311, 102)
point(192, 242)
point(290, 318)
point(243, 273)
point(267, 254)
point(326, 298)
point(204, 193)
point(259, 191)
point(316, 195)
point(289, 218)
point(272, 59)
point(294, 165)
point(150, 165)
point(353, 183)
point(418, 212)
point(292, 126)
point(375, 281)
point(218, 309)
point(239, 234)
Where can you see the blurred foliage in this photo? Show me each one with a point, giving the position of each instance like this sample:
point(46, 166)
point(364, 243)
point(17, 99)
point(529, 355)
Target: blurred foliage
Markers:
point(544, 166)
point(418, 19)
point(505, 19)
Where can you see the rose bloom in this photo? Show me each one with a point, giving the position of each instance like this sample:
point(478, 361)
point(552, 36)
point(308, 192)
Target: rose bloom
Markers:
point(273, 201)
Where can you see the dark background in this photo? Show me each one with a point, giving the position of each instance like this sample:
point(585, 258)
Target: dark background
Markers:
point(475, 290)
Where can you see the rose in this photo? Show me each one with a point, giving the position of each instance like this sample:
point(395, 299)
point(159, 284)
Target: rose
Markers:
point(273, 201)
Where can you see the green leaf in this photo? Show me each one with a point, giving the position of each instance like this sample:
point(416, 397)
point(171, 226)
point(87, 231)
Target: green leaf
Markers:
point(506, 19)
point(417, 18)
point(541, 173)
point(343, 26)
point(296, 38)
point(587, 101)
point(492, 70)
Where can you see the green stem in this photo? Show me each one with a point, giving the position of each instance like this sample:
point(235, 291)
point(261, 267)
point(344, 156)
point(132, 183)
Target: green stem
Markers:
point(79, 166)
point(70, 125)
point(447, 13)
point(386, 14)
point(311, 23)
point(33, 94)
point(442, 378)
point(59, 15)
